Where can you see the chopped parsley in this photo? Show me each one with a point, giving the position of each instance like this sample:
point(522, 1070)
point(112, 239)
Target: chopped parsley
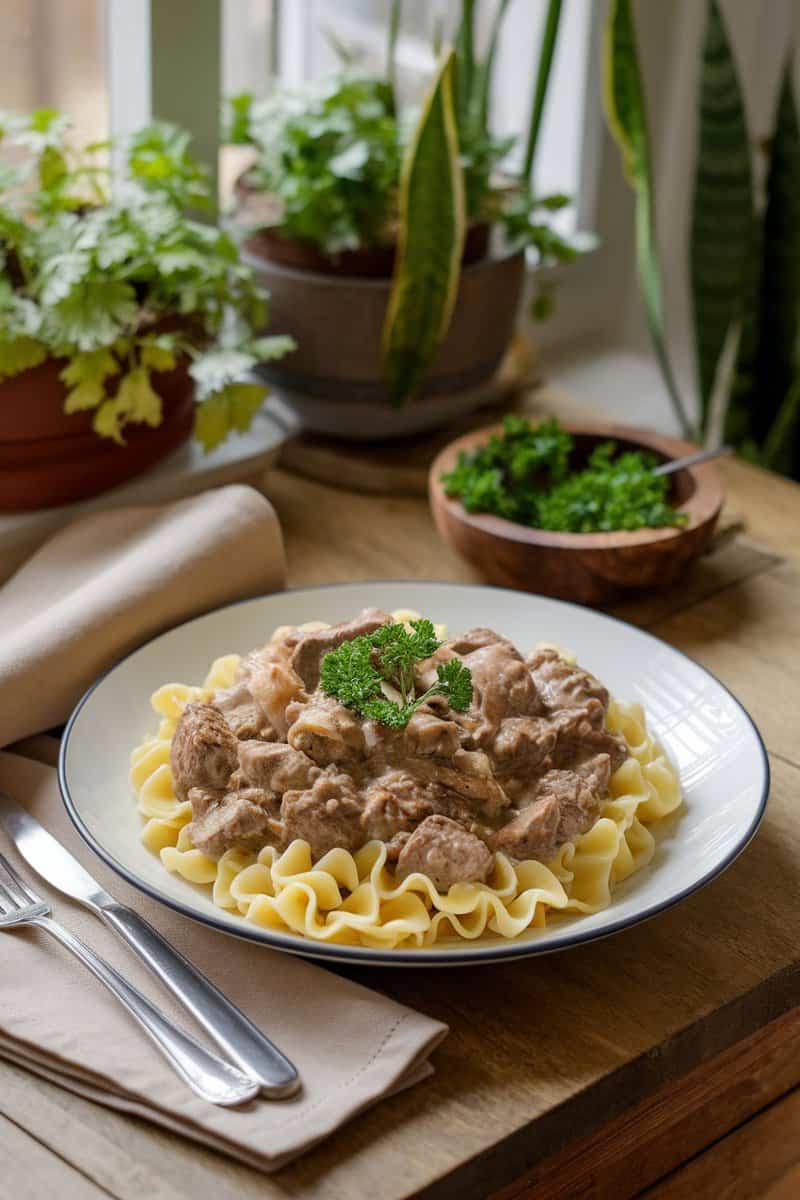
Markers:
point(355, 671)
point(524, 475)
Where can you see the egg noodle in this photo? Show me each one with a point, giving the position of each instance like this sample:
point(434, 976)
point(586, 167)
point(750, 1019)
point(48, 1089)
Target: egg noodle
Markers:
point(354, 898)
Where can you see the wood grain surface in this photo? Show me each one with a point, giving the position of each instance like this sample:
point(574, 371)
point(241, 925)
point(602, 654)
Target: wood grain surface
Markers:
point(543, 1054)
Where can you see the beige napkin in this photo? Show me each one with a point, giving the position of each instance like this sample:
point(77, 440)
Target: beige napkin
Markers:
point(350, 1045)
point(113, 579)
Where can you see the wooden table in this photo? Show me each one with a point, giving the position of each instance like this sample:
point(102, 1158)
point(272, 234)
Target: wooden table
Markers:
point(664, 1058)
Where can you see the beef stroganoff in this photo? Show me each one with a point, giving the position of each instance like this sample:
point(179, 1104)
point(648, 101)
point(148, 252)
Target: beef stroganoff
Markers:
point(376, 783)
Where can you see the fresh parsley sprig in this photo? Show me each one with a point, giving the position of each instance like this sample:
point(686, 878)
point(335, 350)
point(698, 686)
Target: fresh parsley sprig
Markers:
point(354, 672)
point(525, 474)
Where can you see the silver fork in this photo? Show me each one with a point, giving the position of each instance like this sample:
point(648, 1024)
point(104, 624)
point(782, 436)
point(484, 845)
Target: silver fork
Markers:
point(209, 1076)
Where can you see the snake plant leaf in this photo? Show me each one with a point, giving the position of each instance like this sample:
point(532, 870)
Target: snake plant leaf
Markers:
point(722, 217)
point(738, 422)
point(549, 38)
point(783, 440)
point(627, 120)
point(430, 241)
point(465, 65)
point(393, 33)
point(486, 69)
point(780, 291)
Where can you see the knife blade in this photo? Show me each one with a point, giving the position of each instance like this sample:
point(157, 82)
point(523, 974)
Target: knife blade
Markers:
point(48, 857)
point(221, 1019)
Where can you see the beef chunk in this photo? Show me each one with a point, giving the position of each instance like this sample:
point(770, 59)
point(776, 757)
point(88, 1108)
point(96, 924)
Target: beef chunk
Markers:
point(579, 739)
point(445, 852)
point(532, 833)
point(203, 752)
point(502, 688)
point(274, 687)
point(565, 685)
point(245, 718)
point(470, 778)
point(312, 647)
point(326, 731)
point(428, 734)
point(563, 805)
point(242, 820)
point(327, 814)
point(475, 639)
point(396, 802)
point(275, 767)
point(522, 742)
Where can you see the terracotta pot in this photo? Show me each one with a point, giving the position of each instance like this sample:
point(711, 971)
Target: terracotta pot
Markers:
point(334, 381)
point(591, 568)
point(48, 457)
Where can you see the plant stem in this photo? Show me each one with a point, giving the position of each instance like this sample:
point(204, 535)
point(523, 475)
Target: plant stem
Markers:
point(542, 79)
point(391, 49)
point(465, 59)
point(487, 71)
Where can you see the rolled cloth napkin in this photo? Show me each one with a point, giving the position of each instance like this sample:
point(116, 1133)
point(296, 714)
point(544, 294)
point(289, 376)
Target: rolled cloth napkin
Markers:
point(350, 1045)
point(111, 580)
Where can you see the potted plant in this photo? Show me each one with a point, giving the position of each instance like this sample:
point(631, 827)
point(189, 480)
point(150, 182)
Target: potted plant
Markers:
point(124, 323)
point(392, 244)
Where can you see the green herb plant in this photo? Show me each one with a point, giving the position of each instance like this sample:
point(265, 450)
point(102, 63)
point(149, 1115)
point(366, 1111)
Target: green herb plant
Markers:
point(356, 671)
point(524, 475)
point(350, 167)
point(120, 283)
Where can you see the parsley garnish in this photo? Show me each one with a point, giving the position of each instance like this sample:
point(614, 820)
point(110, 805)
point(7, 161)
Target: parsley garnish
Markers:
point(354, 672)
point(524, 476)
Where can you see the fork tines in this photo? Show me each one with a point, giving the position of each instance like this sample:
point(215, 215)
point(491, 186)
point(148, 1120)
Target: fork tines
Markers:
point(17, 900)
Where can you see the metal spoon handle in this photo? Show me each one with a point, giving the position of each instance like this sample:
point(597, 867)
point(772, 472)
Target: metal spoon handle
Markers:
point(211, 1078)
point(690, 460)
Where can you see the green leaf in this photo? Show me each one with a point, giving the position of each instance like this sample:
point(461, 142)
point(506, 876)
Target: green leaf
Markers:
point(781, 444)
point(464, 69)
point(52, 168)
point(86, 374)
point(722, 218)
point(233, 408)
point(486, 69)
point(136, 400)
point(19, 354)
point(61, 274)
point(627, 120)
point(267, 349)
point(215, 369)
point(549, 38)
point(780, 289)
point(107, 423)
point(393, 31)
point(430, 242)
point(92, 316)
point(158, 351)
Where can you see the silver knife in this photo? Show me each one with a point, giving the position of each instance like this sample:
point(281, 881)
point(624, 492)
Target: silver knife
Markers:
point(221, 1019)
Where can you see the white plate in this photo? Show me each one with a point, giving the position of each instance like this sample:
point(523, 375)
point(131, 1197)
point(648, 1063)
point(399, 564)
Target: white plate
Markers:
point(708, 735)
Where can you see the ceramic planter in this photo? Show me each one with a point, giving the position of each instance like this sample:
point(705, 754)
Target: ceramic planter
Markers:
point(48, 457)
point(333, 381)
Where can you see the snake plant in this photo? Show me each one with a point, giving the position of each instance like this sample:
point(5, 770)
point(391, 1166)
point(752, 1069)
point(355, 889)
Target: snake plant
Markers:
point(744, 261)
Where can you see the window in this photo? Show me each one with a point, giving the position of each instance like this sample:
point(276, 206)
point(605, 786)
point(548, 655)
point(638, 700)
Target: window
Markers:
point(53, 56)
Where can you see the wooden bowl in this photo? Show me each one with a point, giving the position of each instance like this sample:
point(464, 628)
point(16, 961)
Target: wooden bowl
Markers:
point(591, 568)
